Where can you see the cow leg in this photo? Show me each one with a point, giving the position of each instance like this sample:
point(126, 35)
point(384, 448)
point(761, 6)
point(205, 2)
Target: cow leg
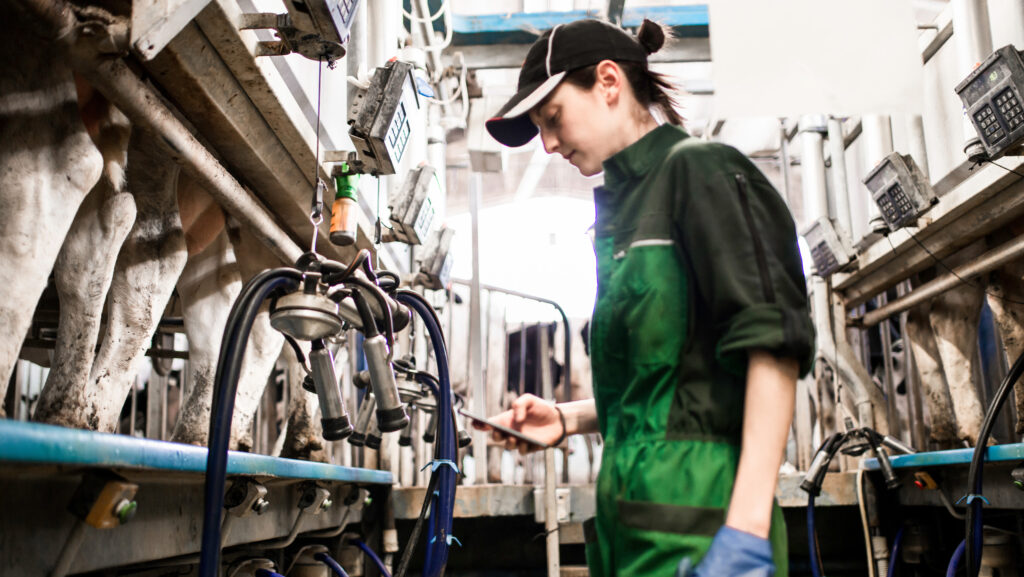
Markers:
point(1008, 283)
point(954, 318)
point(208, 287)
point(83, 273)
point(47, 166)
point(933, 380)
point(303, 435)
point(265, 343)
point(150, 262)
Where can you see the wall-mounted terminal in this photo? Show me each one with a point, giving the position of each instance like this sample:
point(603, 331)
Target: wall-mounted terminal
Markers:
point(381, 117)
point(830, 249)
point(412, 213)
point(992, 97)
point(900, 190)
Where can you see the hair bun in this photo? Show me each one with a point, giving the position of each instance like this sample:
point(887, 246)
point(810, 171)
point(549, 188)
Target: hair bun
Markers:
point(651, 36)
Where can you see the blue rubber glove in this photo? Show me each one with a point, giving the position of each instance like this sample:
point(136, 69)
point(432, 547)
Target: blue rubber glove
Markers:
point(733, 553)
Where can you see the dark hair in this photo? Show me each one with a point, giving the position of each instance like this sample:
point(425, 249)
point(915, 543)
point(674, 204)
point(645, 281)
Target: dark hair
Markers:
point(651, 88)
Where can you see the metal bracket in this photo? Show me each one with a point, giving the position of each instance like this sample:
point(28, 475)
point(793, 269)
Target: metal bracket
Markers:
point(292, 40)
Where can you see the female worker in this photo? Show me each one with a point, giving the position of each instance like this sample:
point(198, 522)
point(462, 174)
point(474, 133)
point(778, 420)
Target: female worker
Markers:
point(701, 324)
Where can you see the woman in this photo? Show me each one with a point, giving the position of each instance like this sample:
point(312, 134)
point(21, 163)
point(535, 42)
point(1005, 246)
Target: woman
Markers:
point(701, 324)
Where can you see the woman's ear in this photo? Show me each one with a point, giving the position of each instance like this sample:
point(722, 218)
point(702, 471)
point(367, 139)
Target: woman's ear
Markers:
point(609, 78)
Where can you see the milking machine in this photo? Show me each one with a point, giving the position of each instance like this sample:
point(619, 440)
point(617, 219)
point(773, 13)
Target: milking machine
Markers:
point(314, 301)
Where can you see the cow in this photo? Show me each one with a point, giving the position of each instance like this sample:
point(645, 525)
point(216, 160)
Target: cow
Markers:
point(142, 225)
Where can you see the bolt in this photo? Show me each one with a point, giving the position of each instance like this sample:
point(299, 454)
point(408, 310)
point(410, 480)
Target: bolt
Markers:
point(260, 506)
point(125, 510)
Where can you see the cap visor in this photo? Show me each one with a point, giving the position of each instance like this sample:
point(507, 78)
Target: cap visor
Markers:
point(512, 125)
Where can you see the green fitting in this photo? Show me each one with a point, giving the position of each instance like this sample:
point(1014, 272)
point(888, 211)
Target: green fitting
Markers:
point(126, 510)
point(347, 184)
point(1019, 485)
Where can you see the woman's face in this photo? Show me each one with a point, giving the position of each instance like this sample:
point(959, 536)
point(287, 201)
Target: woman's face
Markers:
point(578, 124)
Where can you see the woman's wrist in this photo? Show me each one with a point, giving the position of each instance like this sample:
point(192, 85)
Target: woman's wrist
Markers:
point(580, 416)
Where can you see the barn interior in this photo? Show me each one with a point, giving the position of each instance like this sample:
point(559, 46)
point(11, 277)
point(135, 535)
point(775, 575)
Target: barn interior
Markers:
point(258, 257)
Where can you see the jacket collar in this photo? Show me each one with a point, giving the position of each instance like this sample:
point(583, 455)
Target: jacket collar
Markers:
point(636, 160)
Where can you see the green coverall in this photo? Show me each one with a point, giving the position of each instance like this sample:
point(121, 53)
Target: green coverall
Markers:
point(697, 263)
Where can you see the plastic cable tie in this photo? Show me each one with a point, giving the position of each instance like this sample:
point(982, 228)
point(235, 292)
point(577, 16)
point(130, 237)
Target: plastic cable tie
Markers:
point(453, 538)
point(437, 463)
point(971, 497)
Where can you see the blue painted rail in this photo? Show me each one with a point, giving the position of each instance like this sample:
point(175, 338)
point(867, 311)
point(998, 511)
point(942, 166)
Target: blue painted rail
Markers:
point(996, 453)
point(22, 442)
point(522, 28)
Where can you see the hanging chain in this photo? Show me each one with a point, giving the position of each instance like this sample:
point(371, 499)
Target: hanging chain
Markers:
point(316, 215)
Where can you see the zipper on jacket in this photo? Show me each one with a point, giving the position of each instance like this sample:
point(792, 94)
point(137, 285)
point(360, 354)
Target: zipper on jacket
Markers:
point(762, 261)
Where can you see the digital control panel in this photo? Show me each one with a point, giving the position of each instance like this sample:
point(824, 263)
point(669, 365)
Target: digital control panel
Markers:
point(830, 250)
point(382, 117)
point(900, 190)
point(991, 95)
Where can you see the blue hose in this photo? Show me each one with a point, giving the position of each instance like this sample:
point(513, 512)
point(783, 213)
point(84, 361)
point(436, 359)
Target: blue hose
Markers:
point(225, 384)
point(327, 560)
point(895, 552)
point(954, 562)
point(373, 557)
point(812, 537)
point(436, 554)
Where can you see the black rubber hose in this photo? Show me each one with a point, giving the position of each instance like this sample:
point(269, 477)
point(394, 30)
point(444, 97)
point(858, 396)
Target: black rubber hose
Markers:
point(973, 520)
point(385, 306)
point(369, 325)
point(229, 368)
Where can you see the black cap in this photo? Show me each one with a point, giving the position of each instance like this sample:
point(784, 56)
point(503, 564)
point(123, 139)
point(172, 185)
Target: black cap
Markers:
point(562, 49)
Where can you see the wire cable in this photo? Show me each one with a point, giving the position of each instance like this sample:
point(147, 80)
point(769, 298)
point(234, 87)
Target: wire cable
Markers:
point(958, 277)
point(373, 557)
point(954, 562)
point(812, 539)
point(973, 520)
point(433, 17)
point(894, 557)
point(331, 563)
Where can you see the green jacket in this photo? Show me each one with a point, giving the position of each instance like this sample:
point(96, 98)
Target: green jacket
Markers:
point(697, 264)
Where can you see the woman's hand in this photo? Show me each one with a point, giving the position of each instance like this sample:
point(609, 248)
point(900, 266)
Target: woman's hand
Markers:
point(531, 416)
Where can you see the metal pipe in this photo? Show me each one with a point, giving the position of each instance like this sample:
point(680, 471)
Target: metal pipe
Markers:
point(993, 259)
point(840, 191)
point(784, 159)
point(550, 496)
point(916, 143)
point(812, 164)
point(475, 375)
point(70, 549)
point(145, 109)
point(972, 37)
point(877, 144)
point(567, 341)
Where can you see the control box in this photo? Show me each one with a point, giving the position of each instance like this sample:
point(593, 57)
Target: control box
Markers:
point(412, 213)
point(381, 117)
point(991, 94)
point(830, 249)
point(900, 190)
point(436, 265)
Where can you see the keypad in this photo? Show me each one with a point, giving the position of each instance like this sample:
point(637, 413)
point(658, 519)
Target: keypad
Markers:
point(1010, 109)
point(988, 124)
point(901, 200)
point(398, 133)
point(823, 258)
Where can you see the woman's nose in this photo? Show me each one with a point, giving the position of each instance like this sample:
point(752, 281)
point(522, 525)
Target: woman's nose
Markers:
point(549, 141)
